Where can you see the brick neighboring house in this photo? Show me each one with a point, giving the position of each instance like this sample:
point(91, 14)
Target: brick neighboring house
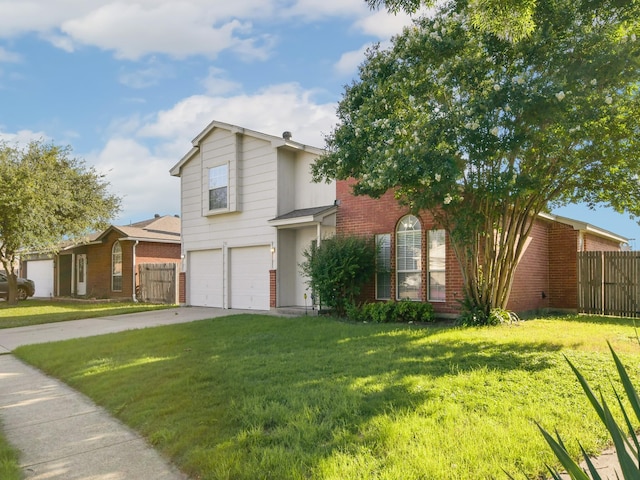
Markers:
point(421, 265)
point(105, 266)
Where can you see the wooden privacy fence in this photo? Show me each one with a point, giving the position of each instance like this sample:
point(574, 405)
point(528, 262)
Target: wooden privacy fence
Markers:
point(609, 283)
point(158, 283)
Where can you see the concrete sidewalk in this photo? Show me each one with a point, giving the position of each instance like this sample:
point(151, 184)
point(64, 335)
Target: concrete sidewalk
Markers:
point(62, 434)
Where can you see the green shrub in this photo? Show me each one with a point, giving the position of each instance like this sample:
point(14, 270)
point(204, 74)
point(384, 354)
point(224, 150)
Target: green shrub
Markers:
point(385, 312)
point(338, 268)
point(473, 316)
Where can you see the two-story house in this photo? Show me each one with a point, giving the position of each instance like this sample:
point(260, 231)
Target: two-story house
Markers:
point(249, 209)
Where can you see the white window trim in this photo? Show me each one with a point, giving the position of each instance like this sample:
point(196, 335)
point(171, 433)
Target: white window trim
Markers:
point(207, 204)
point(113, 263)
point(398, 232)
point(377, 239)
point(430, 270)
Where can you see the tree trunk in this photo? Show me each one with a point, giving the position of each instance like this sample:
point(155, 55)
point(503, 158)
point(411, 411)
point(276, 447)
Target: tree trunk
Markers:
point(12, 280)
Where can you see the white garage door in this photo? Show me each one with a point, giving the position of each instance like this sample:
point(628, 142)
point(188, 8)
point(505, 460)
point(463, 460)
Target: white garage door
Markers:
point(249, 268)
point(41, 272)
point(204, 283)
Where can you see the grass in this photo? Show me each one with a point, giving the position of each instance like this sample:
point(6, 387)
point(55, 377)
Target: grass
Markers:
point(261, 397)
point(9, 466)
point(35, 312)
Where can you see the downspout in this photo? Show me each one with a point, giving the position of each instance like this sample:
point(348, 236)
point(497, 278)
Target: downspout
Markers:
point(133, 273)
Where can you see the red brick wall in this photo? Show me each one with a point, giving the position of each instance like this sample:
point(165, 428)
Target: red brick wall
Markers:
point(598, 244)
point(272, 289)
point(563, 267)
point(182, 288)
point(545, 278)
point(363, 215)
point(99, 268)
point(99, 263)
point(530, 290)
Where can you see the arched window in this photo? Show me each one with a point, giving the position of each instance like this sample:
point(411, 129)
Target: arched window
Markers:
point(409, 258)
point(116, 267)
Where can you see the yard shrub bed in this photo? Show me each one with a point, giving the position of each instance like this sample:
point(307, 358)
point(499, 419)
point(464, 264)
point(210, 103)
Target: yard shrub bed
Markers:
point(253, 396)
point(403, 311)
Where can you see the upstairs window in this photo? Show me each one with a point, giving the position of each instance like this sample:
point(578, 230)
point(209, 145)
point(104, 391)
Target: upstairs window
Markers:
point(409, 258)
point(116, 267)
point(218, 187)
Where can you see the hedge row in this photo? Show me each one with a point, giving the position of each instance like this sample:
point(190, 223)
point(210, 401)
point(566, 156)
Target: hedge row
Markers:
point(385, 312)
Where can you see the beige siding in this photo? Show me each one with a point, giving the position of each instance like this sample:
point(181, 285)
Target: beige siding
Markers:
point(256, 198)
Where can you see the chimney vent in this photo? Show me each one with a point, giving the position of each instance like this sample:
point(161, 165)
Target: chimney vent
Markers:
point(286, 135)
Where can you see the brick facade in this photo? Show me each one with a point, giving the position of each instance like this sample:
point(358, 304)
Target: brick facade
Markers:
point(546, 276)
point(273, 286)
point(182, 288)
point(99, 266)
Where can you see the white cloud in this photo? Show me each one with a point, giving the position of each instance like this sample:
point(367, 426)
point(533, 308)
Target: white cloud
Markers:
point(22, 137)
point(177, 29)
point(349, 61)
point(272, 110)
point(315, 9)
point(134, 29)
point(383, 25)
point(216, 84)
point(147, 76)
point(139, 177)
point(7, 56)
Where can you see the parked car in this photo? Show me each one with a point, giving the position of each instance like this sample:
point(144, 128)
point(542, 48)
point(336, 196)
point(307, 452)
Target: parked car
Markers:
point(26, 287)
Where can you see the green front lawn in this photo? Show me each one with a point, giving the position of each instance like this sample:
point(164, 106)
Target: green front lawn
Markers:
point(35, 312)
point(257, 397)
point(9, 466)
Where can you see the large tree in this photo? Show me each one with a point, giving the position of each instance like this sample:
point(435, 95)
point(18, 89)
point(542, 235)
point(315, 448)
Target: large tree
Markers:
point(47, 196)
point(508, 19)
point(487, 133)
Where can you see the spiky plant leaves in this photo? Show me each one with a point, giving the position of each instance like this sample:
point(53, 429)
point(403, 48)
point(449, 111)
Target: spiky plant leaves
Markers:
point(572, 468)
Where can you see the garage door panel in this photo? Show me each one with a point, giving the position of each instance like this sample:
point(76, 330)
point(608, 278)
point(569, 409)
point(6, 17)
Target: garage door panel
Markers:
point(249, 268)
point(41, 272)
point(205, 278)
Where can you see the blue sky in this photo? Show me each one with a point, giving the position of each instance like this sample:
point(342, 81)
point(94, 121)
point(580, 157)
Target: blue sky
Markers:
point(129, 83)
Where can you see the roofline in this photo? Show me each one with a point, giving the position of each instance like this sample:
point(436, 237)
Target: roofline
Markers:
point(276, 142)
point(585, 227)
point(304, 220)
point(151, 240)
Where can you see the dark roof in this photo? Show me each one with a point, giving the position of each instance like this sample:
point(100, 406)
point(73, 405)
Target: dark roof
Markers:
point(303, 212)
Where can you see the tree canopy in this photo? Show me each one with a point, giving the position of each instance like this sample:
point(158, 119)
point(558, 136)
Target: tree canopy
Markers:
point(47, 196)
point(507, 19)
point(487, 133)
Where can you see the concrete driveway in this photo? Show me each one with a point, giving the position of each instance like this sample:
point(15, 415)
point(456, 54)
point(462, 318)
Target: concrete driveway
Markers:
point(11, 338)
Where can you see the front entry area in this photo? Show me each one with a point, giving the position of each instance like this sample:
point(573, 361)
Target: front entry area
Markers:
point(81, 275)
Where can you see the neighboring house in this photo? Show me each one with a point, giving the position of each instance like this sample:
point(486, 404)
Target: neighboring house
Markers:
point(249, 209)
point(105, 265)
point(417, 262)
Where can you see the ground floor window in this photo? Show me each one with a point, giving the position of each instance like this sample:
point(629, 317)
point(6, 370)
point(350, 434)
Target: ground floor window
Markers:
point(383, 267)
point(409, 258)
point(116, 267)
point(437, 263)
